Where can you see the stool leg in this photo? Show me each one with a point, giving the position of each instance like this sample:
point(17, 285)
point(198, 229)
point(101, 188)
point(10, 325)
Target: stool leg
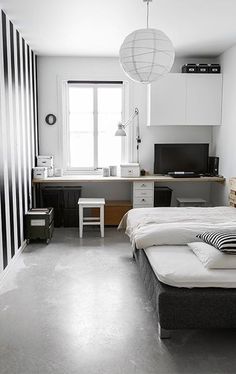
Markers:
point(81, 219)
point(102, 220)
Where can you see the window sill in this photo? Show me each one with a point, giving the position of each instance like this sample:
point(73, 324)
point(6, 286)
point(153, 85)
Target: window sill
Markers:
point(82, 172)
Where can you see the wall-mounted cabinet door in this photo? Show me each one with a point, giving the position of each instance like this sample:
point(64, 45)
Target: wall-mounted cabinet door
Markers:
point(167, 101)
point(185, 99)
point(204, 96)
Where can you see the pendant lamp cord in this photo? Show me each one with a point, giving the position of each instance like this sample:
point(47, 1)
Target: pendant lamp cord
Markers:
point(147, 14)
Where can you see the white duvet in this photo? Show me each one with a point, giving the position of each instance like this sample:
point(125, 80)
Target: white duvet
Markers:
point(148, 227)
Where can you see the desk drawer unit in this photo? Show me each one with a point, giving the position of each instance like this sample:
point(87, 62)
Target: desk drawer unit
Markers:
point(143, 194)
point(143, 186)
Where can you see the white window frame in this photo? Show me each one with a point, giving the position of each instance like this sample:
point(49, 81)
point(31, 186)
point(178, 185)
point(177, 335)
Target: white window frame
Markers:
point(64, 136)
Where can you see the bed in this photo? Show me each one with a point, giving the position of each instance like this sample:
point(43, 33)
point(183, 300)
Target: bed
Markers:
point(159, 237)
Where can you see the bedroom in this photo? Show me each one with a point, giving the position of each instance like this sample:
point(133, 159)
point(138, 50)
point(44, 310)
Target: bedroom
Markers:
point(79, 303)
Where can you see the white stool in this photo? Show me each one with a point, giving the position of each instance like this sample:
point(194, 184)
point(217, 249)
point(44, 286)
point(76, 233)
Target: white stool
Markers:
point(91, 203)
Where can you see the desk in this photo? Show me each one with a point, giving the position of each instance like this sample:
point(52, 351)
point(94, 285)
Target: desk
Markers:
point(98, 178)
point(143, 186)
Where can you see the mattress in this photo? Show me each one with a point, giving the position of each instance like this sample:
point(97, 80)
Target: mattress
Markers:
point(185, 308)
point(178, 266)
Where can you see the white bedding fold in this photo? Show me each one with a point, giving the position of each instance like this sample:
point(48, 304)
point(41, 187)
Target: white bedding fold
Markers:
point(174, 233)
point(147, 227)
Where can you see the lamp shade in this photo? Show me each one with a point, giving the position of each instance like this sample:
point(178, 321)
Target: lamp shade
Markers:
point(120, 131)
point(146, 55)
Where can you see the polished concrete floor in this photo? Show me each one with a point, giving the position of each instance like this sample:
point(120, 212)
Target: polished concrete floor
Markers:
point(79, 306)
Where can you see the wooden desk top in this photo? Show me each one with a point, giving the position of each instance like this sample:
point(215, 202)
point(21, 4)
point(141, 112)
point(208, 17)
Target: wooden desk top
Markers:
point(98, 178)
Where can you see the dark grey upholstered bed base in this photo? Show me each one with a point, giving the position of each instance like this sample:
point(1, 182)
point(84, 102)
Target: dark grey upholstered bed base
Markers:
point(184, 308)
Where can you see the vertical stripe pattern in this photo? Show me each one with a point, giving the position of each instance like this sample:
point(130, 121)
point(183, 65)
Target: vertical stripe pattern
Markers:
point(18, 136)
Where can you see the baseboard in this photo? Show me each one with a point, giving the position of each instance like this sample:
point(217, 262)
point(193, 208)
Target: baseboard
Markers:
point(11, 263)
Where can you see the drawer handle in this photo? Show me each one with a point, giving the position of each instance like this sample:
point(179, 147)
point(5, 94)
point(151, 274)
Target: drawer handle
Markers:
point(143, 200)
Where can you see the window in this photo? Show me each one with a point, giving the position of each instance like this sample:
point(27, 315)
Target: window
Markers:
point(93, 112)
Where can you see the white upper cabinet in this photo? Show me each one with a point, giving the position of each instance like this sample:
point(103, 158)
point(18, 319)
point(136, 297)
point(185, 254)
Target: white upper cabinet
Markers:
point(166, 101)
point(185, 99)
point(204, 95)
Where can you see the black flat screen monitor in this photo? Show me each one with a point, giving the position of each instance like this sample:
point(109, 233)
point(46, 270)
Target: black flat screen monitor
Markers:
point(181, 158)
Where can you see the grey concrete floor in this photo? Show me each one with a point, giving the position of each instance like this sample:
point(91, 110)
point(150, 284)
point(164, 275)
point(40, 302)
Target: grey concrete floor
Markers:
point(79, 306)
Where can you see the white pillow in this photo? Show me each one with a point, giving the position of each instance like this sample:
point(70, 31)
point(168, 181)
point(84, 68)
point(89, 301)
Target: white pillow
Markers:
point(211, 257)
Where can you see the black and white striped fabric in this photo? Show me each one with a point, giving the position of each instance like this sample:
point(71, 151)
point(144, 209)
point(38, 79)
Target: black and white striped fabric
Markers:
point(225, 242)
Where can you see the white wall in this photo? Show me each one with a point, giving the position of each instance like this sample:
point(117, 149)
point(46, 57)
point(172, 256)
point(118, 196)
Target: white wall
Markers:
point(52, 69)
point(224, 144)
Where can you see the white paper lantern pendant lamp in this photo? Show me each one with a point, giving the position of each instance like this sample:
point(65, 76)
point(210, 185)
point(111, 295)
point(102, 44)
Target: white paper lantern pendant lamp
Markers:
point(147, 54)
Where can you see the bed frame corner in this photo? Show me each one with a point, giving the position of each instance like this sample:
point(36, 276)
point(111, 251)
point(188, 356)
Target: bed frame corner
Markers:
point(163, 333)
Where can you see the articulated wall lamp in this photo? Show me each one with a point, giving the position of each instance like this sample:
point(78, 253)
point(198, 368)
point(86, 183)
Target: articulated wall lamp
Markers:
point(122, 126)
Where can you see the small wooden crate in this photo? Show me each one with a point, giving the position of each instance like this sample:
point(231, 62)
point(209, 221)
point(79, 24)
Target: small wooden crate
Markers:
point(114, 211)
point(232, 183)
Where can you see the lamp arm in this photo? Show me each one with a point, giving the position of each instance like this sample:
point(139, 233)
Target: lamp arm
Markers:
point(127, 123)
point(122, 126)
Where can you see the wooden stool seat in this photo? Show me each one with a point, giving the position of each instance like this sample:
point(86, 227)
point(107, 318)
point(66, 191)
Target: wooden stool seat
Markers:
point(91, 203)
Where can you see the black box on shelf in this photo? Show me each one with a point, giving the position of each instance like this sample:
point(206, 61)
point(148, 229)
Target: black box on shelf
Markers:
point(214, 68)
point(189, 68)
point(202, 68)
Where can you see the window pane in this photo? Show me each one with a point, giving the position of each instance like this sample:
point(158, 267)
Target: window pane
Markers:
point(81, 127)
point(80, 99)
point(82, 122)
point(81, 150)
point(110, 99)
point(109, 145)
point(109, 114)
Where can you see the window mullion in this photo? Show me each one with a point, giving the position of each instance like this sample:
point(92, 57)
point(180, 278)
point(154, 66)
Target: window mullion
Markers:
point(95, 123)
point(68, 133)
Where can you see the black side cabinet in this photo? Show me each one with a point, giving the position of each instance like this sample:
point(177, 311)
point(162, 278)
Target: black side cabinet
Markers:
point(162, 196)
point(64, 200)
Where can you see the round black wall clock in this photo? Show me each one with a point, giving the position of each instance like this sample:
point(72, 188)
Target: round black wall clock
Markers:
point(51, 119)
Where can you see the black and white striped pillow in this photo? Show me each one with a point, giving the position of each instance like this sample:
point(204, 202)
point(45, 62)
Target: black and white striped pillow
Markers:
point(225, 242)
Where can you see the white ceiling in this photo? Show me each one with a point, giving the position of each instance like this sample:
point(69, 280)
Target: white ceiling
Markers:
point(98, 27)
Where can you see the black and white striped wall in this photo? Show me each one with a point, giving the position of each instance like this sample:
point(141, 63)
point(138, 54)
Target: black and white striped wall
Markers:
point(18, 136)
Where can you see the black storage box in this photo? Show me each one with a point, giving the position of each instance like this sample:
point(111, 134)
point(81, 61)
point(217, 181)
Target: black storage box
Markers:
point(162, 196)
point(64, 200)
point(71, 196)
point(39, 224)
point(52, 196)
point(189, 68)
point(214, 68)
point(202, 68)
